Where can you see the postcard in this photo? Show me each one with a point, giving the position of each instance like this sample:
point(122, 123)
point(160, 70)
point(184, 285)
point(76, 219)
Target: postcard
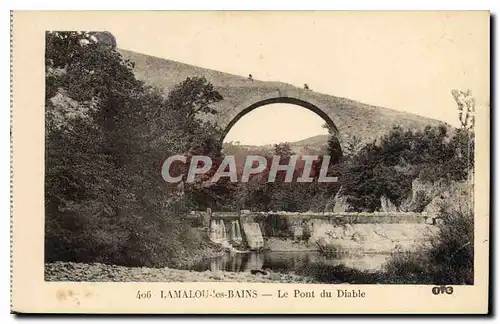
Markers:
point(250, 162)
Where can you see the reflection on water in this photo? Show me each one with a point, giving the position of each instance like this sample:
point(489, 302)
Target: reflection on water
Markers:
point(288, 261)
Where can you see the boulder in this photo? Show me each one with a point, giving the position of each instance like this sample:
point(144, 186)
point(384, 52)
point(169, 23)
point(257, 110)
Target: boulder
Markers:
point(439, 221)
point(340, 205)
point(435, 206)
point(387, 205)
point(298, 232)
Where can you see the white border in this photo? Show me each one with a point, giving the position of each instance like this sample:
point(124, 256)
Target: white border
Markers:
point(190, 5)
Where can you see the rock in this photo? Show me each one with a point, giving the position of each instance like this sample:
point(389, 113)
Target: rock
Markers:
point(358, 237)
point(340, 204)
point(387, 205)
point(298, 232)
point(435, 206)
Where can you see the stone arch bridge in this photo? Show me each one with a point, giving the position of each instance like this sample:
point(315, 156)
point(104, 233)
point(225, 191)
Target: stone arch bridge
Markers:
point(348, 118)
point(229, 116)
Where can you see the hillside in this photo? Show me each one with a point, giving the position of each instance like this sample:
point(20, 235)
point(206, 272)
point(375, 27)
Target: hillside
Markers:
point(311, 145)
point(352, 118)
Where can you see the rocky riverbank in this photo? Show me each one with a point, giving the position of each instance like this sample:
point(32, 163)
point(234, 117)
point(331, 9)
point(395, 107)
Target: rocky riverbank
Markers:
point(288, 245)
point(98, 272)
point(357, 238)
point(371, 238)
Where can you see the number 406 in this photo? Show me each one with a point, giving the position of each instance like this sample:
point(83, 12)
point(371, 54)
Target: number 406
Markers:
point(143, 294)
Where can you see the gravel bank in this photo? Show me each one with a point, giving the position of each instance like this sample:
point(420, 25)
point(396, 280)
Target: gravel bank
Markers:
point(70, 271)
point(289, 245)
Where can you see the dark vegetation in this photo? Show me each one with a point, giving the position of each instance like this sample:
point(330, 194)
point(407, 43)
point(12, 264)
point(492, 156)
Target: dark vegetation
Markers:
point(388, 166)
point(384, 168)
point(107, 135)
point(260, 195)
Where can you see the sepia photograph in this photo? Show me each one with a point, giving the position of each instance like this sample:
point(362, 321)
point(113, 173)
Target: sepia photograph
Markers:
point(333, 148)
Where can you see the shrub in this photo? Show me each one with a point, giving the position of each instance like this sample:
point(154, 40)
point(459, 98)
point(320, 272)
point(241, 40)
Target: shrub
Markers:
point(407, 268)
point(453, 251)
point(388, 166)
point(339, 274)
point(448, 260)
point(106, 136)
point(421, 201)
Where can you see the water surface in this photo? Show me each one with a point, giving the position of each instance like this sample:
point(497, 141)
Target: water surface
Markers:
point(288, 262)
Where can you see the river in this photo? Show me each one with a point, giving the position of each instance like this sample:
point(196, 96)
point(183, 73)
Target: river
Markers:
point(289, 262)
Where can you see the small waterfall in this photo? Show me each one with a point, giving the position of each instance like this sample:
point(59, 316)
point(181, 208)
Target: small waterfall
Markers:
point(223, 231)
point(218, 231)
point(227, 237)
point(236, 232)
point(232, 232)
point(213, 231)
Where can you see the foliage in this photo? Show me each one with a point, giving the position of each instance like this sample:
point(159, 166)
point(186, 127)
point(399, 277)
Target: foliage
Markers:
point(351, 147)
point(466, 105)
point(283, 150)
point(449, 259)
point(453, 250)
point(388, 167)
point(259, 194)
point(107, 135)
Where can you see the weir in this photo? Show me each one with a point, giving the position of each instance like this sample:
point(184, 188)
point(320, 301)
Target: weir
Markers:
point(218, 231)
point(235, 234)
point(222, 234)
point(248, 230)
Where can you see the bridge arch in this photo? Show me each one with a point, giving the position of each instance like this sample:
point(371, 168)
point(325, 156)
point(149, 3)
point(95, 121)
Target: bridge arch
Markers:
point(287, 97)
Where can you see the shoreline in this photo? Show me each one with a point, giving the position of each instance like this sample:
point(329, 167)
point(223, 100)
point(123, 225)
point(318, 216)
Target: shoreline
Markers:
point(98, 272)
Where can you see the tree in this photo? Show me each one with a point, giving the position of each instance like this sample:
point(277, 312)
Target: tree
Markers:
point(388, 166)
point(107, 134)
point(351, 146)
point(283, 150)
point(334, 150)
point(466, 105)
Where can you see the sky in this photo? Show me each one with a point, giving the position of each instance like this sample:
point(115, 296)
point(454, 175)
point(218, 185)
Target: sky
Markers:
point(266, 117)
point(404, 61)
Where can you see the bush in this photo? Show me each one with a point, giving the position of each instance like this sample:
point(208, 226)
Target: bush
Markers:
point(388, 166)
point(339, 274)
point(453, 251)
point(106, 136)
point(448, 260)
point(407, 268)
